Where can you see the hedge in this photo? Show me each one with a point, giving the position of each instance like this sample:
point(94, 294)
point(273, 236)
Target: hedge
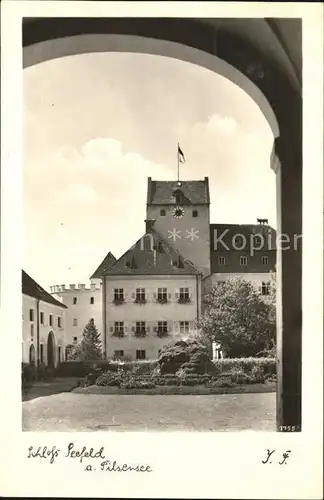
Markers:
point(246, 365)
point(83, 368)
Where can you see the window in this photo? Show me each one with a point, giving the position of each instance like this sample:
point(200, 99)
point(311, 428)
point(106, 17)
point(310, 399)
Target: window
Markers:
point(162, 327)
point(221, 261)
point(50, 320)
point(74, 300)
point(140, 329)
point(119, 328)
point(140, 295)
point(243, 261)
point(195, 213)
point(162, 212)
point(184, 295)
point(41, 353)
point(32, 331)
point(59, 353)
point(75, 322)
point(162, 295)
point(118, 354)
point(75, 340)
point(59, 322)
point(31, 314)
point(265, 288)
point(184, 326)
point(140, 354)
point(118, 295)
point(264, 260)
point(42, 318)
point(91, 300)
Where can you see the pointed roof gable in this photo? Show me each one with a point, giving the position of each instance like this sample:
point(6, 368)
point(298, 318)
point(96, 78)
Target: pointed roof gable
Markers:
point(151, 254)
point(162, 192)
point(108, 261)
point(33, 289)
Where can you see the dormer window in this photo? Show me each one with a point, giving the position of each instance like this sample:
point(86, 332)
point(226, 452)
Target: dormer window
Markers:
point(178, 196)
point(162, 212)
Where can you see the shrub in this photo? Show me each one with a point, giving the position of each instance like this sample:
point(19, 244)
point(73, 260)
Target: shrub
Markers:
point(257, 374)
point(239, 377)
point(221, 382)
point(109, 379)
point(144, 367)
point(193, 380)
point(268, 365)
point(137, 383)
point(189, 354)
point(28, 373)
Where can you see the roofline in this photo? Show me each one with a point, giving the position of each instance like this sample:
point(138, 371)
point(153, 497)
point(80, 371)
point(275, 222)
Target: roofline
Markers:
point(57, 302)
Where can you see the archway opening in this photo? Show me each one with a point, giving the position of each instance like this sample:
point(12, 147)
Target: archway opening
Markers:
point(32, 355)
point(51, 350)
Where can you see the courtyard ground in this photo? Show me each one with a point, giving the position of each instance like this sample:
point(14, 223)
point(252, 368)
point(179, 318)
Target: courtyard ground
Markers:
point(91, 412)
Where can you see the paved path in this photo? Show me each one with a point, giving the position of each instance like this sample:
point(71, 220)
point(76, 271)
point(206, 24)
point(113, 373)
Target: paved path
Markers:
point(91, 412)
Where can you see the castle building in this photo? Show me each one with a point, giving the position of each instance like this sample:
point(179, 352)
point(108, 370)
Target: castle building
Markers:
point(43, 325)
point(154, 292)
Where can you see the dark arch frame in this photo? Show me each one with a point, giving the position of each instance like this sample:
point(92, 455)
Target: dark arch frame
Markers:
point(281, 84)
point(51, 350)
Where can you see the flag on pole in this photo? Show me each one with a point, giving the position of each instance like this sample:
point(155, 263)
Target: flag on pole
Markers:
point(181, 156)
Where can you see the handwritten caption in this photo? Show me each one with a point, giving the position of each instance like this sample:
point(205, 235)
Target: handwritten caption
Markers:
point(271, 455)
point(99, 459)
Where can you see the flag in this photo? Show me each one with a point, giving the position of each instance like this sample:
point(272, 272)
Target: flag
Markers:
point(181, 156)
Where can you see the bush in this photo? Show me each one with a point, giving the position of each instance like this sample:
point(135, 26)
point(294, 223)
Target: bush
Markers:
point(137, 383)
point(221, 382)
point(190, 355)
point(28, 374)
point(239, 377)
point(193, 380)
point(258, 375)
point(109, 379)
point(267, 365)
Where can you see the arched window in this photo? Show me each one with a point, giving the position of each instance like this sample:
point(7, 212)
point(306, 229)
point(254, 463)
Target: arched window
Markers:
point(32, 354)
point(32, 331)
point(91, 300)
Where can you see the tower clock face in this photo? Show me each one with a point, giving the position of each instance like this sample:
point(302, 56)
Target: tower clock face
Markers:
point(178, 212)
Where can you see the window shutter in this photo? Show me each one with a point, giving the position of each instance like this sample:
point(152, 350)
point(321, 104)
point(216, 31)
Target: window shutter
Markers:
point(147, 329)
point(125, 329)
point(154, 295)
point(169, 296)
point(170, 326)
point(133, 329)
point(111, 329)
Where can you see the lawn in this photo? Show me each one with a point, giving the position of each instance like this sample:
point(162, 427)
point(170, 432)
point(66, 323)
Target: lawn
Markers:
point(95, 412)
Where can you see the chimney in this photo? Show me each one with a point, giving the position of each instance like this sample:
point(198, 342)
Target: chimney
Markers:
point(149, 223)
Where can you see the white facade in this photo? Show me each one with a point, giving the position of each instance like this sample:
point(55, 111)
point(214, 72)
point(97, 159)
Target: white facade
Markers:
point(51, 324)
point(176, 318)
point(82, 304)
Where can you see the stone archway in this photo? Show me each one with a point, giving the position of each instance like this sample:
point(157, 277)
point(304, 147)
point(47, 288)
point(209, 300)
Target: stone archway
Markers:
point(51, 350)
point(257, 55)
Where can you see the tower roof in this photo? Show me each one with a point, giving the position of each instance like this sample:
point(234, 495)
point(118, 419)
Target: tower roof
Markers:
point(151, 254)
point(108, 261)
point(33, 289)
point(162, 192)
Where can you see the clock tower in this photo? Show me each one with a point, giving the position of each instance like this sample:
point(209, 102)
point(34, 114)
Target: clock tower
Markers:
point(180, 211)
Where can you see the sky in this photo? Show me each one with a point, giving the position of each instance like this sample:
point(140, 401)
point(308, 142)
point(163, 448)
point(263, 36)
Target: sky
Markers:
point(97, 125)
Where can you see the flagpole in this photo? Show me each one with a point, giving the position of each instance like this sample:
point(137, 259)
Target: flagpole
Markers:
point(178, 161)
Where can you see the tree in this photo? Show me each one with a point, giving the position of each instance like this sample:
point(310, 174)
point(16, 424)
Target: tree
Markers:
point(239, 318)
point(90, 346)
